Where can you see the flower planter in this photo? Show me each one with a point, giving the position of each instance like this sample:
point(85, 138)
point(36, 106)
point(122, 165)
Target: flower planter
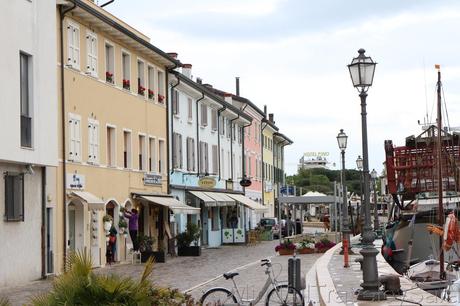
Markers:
point(306, 251)
point(157, 256)
point(286, 251)
point(189, 251)
point(322, 250)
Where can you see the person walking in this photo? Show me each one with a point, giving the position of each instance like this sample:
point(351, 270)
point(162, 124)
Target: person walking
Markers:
point(133, 227)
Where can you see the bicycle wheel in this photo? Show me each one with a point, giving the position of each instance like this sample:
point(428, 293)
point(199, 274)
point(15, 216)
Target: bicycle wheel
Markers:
point(285, 296)
point(218, 297)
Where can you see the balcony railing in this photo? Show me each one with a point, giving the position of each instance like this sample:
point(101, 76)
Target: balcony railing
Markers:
point(26, 131)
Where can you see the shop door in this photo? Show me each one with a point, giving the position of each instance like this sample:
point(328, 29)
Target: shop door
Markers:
point(204, 225)
point(49, 247)
point(71, 241)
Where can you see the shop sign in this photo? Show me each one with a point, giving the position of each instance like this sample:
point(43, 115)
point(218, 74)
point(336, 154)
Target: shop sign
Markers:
point(268, 186)
point(207, 182)
point(152, 179)
point(75, 181)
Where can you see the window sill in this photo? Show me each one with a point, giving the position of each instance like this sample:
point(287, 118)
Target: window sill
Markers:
point(190, 121)
point(27, 148)
point(176, 116)
point(213, 131)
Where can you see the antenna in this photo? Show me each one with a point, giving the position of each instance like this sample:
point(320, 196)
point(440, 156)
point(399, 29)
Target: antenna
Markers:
point(426, 94)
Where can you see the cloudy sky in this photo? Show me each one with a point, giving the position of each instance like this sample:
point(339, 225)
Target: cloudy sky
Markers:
point(291, 55)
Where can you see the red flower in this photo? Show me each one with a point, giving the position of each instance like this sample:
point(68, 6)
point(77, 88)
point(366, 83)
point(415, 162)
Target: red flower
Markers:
point(150, 92)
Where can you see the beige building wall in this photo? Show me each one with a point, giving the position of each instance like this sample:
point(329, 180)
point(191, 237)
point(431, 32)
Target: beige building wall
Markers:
point(268, 186)
point(92, 99)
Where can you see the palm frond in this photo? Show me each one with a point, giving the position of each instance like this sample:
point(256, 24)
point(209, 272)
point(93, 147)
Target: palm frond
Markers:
point(4, 301)
point(148, 269)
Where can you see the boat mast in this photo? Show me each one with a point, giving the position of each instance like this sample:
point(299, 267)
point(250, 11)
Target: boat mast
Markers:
point(439, 162)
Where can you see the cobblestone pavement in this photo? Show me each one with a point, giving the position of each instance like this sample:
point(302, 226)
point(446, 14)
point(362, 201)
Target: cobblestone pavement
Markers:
point(185, 273)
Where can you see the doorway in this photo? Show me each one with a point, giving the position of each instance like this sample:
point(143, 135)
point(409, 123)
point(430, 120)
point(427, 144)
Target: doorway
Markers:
point(111, 209)
point(204, 224)
point(49, 241)
point(76, 227)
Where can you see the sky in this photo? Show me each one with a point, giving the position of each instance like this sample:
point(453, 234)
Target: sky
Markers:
point(292, 56)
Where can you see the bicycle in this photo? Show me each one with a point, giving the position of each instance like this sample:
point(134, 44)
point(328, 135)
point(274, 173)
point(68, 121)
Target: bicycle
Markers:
point(284, 295)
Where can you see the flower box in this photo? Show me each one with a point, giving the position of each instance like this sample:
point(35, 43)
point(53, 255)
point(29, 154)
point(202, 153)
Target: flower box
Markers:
point(306, 251)
point(126, 84)
point(151, 94)
point(161, 98)
point(109, 77)
point(286, 251)
point(322, 250)
point(140, 90)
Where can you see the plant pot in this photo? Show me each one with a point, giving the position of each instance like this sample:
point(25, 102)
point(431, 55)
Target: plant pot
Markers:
point(306, 251)
point(157, 256)
point(107, 225)
point(286, 251)
point(189, 251)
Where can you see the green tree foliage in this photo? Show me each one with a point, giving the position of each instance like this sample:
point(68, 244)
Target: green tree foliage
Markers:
point(322, 180)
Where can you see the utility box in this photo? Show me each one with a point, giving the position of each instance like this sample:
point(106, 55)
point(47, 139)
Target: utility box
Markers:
point(294, 273)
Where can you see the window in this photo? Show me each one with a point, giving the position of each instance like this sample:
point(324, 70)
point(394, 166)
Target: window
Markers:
point(204, 115)
point(177, 151)
point(142, 153)
point(204, 157)
point(161, 153)
point(249, 131)
point(234, 132)
point(214, 120)
point(249, 167)
point(73, 46)
point(91, 52)
point(127, 159)
point(214, 216)
point(235, 166)
point(215, 160)
point(240, 135)
point(161, 86)
point(151, 79)
point(175, 102)
point(126, 70)
point(109, 63)
point(222, 160)
point(229, 128)
point(190, 154)
point(190, 109)
point(152, 154)
point(93, 141)
point(229, 165)
point(24, 87)
point(75, 137)
point(111, 147)
point(140, 78)
point(14, 196)
point(222, 125)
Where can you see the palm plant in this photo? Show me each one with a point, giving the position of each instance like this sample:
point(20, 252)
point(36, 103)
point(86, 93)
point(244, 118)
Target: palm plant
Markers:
point(4, 301)
point(81, 286)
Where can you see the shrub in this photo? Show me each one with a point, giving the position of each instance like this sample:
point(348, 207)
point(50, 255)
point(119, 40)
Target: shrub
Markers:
point(191, 235)
point(324, 244)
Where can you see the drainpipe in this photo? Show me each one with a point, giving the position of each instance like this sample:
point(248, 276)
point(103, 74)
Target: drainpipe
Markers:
point(263, 165)
point(242, 140)
point(43, 222)
point(62, 13)
point(218, 137)
point(107, 3)
point(198, 151)
point(172, 130)
point(231, 144)
point(168, 175)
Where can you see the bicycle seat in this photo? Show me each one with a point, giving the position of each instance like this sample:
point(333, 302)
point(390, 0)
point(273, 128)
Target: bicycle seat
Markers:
point(230, 275)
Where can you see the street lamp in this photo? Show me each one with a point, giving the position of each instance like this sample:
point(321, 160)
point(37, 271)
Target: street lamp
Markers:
point(359, 165)
point(362, 70)
point(374, 187)
point(342, 141)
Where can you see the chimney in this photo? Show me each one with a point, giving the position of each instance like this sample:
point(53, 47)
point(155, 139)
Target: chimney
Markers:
point(228, 97)
point(265, 110)
point(199, 80)
point(237, 79)
point(172, 54)
point(270, 118)
point(187, 70)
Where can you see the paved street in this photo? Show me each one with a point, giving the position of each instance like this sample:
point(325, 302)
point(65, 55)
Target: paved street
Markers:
point(185, 273)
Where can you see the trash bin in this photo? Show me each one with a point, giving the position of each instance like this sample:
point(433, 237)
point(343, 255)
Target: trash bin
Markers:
point(298, 226)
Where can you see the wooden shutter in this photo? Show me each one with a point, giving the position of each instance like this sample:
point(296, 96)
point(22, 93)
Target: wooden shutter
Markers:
point(204, 115)
point(91, 50)
point(215, 163)
point(190, 108)
point(71, 139)
point(96, 142)
point(180, 152)
point(77, 134)
point(206, 157)
point(76, 47)
point(193, 154)
point(70, 45)
point(213, 119)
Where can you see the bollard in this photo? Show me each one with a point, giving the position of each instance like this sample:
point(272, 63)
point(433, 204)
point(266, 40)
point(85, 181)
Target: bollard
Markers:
point(294, 273)
point(345, 253)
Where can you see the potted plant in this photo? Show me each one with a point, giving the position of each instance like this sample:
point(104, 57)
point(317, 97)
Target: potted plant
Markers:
point(146, 247)
point(122, 225)
point(126, 84)
point(109, 77)
point(107, 219)
point(285, 248)
point(140, 90)
point(306, 246)
point(151, 94)
point(187, 238)
point(161, 98)
point(323, 245)
point(160, 255)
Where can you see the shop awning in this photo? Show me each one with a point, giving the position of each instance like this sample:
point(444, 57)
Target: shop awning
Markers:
point(248, 202)
point(221, 198)
point(94, 203)
point(176, 206)
point(208, 201)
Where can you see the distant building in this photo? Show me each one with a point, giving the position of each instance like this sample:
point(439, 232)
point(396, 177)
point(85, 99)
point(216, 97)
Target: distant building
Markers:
point(307, 162)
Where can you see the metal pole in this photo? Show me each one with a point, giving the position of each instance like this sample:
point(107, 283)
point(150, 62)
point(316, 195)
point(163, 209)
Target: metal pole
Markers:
point(376, 213)
point(345, 228)
point(370, 282)
point(335, 207)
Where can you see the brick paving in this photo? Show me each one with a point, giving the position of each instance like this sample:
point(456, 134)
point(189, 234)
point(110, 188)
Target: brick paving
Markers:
point(187, 272)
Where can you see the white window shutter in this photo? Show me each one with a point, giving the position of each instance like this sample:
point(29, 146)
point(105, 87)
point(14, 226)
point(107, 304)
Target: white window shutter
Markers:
point(70, 45)
point(77, 140)
point(76, 48)
point(90, 142)
point(88, 54)
point(193, 154)
point(94, 53)
point(72, 139)
point(96, 142)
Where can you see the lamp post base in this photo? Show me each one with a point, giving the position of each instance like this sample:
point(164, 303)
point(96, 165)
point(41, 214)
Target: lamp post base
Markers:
point(370, 284)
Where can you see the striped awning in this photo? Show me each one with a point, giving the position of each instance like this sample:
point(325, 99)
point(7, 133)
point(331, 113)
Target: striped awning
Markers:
point(248, 202)
point(208, 201)
point(176, 206)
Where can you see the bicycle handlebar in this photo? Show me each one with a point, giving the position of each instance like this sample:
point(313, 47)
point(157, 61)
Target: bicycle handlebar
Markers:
point(266, 262)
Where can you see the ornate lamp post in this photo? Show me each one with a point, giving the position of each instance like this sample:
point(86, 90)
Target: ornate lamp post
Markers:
point(362, 70)
point(342, 141)
point(359, 165)
point(374, 176)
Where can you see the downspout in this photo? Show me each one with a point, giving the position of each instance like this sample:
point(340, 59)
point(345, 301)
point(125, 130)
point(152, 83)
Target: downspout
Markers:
point(218, 138)
point(172, 132)
point(263, 165)
point(43, 234)
point(198, 151)
point(62, 13)
point(231, 144)
point(242, 152)
point(168, 174)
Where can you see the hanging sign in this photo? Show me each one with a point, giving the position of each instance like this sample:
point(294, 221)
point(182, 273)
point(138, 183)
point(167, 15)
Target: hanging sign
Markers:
point(207, 182)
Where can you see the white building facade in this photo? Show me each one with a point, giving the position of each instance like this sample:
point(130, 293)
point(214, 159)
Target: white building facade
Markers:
point(28, 117)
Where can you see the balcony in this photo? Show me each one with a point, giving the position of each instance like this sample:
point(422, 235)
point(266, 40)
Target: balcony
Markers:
point(26, 132)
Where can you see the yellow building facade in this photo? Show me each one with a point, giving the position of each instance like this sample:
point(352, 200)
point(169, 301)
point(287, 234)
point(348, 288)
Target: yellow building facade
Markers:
point(113, 132)
point(268, 129)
